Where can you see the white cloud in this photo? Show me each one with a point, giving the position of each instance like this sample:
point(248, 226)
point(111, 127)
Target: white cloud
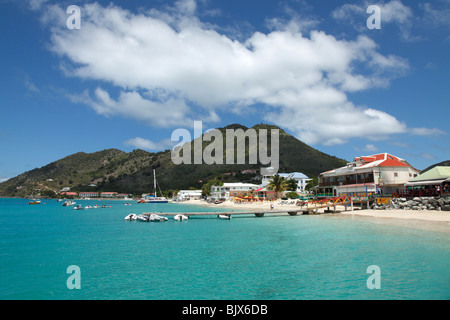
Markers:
point(4, 179)
point(392, 12)
point(36, 4)
point(435, 15)
point(427, 156)
point(149, 145)
point(370, 148)
point(426, 131)
point(170, 69)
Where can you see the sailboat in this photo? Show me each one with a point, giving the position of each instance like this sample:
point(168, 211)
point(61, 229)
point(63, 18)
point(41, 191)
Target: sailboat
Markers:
point(154, 198)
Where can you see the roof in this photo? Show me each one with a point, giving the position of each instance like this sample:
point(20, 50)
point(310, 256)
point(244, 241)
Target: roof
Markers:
point(371, 161)
point(69, 193)
point(240, 184)
point(293, 175)
point(437, 173)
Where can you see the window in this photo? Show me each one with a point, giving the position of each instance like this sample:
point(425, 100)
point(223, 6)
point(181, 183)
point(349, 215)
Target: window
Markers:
point(395, 174)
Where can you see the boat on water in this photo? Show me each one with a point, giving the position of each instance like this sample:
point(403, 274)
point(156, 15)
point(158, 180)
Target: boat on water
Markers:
point(156, 218)
point(224, 216)
point(142, 217)
point(88, 207)
point(154, 198)
point(68, 203)
point(131, 217)
point(180, 217)
point(78, 207)
point(34, 202)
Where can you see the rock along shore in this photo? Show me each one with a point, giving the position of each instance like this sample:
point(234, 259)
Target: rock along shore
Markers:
point(417, 203)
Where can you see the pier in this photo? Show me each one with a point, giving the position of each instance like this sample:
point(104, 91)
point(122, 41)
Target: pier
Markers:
point(231, 213)
point(309, 207)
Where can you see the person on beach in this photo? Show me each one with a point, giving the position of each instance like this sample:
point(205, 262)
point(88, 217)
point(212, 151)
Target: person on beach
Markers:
point(271, 206)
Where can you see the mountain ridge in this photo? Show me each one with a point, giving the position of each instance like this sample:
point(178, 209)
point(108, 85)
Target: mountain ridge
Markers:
point(132, 172)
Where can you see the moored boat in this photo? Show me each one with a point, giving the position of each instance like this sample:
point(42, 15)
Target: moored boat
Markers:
point(131, 217)
point(34, 202)
point(68, 203)
point(156, 218)
point(224, 216)
point(142, 217)
point(180, 217)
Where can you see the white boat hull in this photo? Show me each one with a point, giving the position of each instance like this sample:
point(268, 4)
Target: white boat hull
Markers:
point(131, 217)
point(180, 217)
point(156, 218)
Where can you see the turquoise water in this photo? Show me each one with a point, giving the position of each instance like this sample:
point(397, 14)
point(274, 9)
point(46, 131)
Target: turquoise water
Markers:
point(278, 257)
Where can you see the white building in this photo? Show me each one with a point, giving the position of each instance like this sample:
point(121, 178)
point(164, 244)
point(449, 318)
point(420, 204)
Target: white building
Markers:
point(302, 180)
point(189, 194)
point(230, 190)
point(375, 173)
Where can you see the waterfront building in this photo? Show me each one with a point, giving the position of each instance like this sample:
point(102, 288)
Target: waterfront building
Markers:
point(189, 194)
point(89, 194)
point(302, 180)
point(434, 182)
point(230, 190)
point(378, 173)
point(123, 196)
point(108, 194)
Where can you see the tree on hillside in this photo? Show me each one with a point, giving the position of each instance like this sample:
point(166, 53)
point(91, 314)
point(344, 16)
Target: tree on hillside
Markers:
point(312, 183)
point(277, 184)
point(206, 188)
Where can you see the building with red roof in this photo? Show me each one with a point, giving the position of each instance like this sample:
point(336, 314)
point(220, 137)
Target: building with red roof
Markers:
point(383, 173)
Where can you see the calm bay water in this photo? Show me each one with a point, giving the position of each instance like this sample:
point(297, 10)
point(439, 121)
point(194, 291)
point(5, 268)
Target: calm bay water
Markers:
point(274, 257)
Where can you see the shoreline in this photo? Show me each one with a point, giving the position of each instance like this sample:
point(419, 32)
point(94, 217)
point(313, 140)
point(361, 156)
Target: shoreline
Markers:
point(424, 219)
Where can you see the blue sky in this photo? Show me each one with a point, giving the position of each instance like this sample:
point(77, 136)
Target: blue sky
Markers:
point(137, 70)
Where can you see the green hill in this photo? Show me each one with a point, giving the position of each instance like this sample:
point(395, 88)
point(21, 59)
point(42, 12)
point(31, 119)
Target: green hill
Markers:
point(115, 170)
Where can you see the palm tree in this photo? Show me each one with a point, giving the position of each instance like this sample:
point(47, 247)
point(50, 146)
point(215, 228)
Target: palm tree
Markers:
point(291, 185)
point(277, 184)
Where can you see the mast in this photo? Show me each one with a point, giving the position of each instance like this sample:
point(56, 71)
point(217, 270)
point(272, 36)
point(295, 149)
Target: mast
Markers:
point(154, 181)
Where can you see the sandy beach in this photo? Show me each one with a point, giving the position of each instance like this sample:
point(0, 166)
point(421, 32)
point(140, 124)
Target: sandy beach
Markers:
point(423, 219)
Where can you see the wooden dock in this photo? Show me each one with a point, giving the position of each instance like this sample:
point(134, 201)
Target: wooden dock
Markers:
point(232, 213)
point(304, 208)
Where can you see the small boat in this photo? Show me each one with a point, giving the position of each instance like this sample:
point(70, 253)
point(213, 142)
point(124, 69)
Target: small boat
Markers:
point(127, 204)
point(224, 216)
point(156, 218)
point(34, 202)
point(131, 217)
point(104, 206)
point(142, 217)
point(88, 207)
point(68, 203)
point(78, 207)
point(180, 217)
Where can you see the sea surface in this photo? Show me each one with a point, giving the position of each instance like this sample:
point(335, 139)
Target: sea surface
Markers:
point(274, 257)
